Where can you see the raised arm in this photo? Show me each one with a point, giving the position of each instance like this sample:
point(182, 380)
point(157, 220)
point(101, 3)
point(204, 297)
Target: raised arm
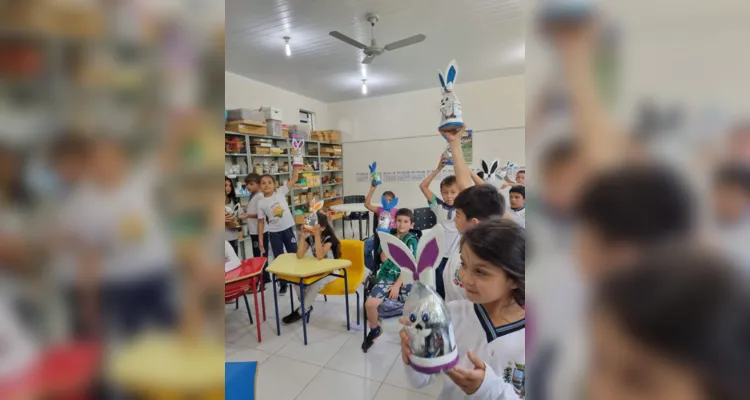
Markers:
point(425, 185)
point(295, 177)
point(600, 140)
point(460, 168)
point(368, 200)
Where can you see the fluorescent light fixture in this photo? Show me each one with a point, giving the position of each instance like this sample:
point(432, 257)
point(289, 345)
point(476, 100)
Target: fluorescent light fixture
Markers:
point(288, 49)
point(364, 86)
point(364, 70)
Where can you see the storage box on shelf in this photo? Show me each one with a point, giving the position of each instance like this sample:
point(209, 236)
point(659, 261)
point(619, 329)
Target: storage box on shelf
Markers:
point(249, 127)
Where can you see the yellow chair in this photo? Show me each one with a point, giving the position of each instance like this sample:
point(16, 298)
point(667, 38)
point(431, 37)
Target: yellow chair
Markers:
point(354, 251)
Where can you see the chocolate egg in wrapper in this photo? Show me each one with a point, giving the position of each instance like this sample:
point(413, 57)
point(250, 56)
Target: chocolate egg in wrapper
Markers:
point(428, 322)
point(431, 337)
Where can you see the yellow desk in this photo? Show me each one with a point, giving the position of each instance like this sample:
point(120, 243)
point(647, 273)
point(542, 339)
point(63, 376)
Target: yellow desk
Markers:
point(305, 271)
point(167, 366)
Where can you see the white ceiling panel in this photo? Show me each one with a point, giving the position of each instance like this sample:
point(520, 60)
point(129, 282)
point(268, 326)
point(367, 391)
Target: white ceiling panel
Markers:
point(486, 37)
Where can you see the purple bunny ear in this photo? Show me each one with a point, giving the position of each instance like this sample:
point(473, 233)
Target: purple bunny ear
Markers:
point(430, 249)
point(397, 251)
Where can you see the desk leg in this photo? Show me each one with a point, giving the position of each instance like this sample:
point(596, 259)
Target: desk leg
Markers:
point(303, 310)
point(276, 306)
point(359, 222)
point(346, 299)
point(263, 296)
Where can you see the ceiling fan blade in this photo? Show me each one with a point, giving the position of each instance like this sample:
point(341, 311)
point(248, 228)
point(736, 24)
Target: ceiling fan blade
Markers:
point(347, 39)
point(405, 42)
point(368, 59)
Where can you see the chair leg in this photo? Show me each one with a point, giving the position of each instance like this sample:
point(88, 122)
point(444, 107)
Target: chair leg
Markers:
point(358, 307)
point(237, 303)
point(257, 312)
point(247, 304)
point(263, 296)
point(325, 298)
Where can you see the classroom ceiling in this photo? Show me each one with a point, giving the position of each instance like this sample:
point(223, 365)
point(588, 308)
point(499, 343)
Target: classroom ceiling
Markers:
point(486, 37)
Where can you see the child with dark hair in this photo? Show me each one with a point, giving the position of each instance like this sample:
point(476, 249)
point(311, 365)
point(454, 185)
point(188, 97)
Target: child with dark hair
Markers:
point(653, 338)
point(275, 219)
point(517, 199)
point(444, 210)
point(230, 201)
point(323, 243)
point(390, 280)
point(473, 205)
point(370, 242)
point(490, 324)
point(252, 183)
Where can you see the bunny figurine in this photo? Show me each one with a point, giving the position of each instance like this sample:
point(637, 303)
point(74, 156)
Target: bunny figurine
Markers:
point(385, 218)
point(505, 170)
point(297, 159)
point(448, 156)
point(312, 218)
point(450, 106)
point(431, 337)
point(234, 212)
point(374, 174)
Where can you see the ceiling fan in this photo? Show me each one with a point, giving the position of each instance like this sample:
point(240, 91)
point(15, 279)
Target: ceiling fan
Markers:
point(373, 50)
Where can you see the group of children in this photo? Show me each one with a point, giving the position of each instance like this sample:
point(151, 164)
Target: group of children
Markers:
point(481, 275)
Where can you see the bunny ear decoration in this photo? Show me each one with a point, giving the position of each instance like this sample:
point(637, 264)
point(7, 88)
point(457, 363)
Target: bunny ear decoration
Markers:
point(450, 74)
point(494, 167)
point(442, 81)
point(485, 168)
point(430, 250)
point(317, 206)
point(480, 174)
point(392, 204)
point(397, 252)
point(373, 166)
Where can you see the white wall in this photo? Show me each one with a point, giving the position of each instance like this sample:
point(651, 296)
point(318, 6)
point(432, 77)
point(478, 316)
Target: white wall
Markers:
point(494, 109)
point(241, 92)
point(491, 104)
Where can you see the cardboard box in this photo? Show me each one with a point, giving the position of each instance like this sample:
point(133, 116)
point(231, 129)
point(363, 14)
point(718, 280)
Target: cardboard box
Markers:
point(247, 127)
point(260, 150)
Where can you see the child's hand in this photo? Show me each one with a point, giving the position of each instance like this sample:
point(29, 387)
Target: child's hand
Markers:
point(316, 230)
point(393, 291)
point(453, 134)
point(405, 349)
point(443, 160)
point(469, 380)
point(244, 216)
point(305, 233)
point(260, 245)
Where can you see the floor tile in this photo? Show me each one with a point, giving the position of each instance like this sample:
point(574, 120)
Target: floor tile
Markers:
point(374, 364)
point(397, 377)
point(280, 378)
point(248, 355)
point(322, 345)
point(388, 392)
point(333, 385)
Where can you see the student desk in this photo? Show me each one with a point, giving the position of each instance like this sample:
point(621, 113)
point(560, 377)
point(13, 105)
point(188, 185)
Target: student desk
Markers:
point(166, 365)
point(303, 272)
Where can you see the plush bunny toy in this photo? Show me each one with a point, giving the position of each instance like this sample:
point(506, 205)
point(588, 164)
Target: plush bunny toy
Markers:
point(431, 337)
point(450, 106)
point(374, 175)
point(384, 221)
point(297, 160)
point(312, 218)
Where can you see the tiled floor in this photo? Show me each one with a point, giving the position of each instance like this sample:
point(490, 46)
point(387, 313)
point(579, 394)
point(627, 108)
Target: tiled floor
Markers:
point(332, 366)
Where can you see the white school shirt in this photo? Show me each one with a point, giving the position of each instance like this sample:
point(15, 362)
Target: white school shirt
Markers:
point(252, 208)
point(275, 211)
point(445, 217)
point(503, 349)
point(231, 261)
point(125, 226)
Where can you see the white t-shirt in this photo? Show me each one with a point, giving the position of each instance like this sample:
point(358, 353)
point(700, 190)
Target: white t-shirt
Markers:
point(123, 224)
point(231, 261)
point(503, 349)
point(275, 210)
point(252, 208)
point(445, 217)
point(230, 234)
point(454, 290)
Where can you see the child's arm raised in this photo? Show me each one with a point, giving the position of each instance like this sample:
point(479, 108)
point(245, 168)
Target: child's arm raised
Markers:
point(368, 200)
point(460, 168)
point(295, 177)
point(425, 185)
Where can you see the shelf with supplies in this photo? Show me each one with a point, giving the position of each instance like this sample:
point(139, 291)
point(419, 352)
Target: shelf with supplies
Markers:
point(248, 153)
